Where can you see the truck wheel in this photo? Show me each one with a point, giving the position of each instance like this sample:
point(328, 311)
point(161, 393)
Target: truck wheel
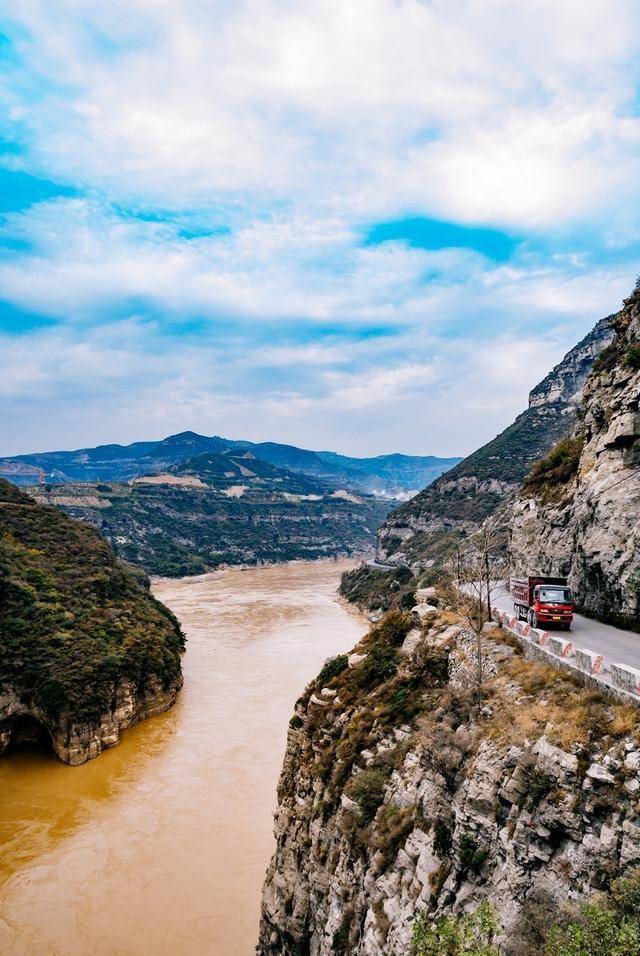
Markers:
point(533, 619)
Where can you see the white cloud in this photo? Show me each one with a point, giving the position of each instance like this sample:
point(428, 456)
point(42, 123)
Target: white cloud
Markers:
point(325, 103)
point(297, 125)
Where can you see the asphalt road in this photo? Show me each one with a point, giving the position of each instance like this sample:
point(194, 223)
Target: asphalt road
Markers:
point(615, 645)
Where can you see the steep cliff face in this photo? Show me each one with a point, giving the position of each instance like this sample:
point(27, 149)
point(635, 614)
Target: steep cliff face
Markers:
point(85, 650)
point(579, 513)
point(402, 795)
point(427, 528)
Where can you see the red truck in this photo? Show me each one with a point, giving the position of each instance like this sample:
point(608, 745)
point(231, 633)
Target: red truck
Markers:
point(543, 600)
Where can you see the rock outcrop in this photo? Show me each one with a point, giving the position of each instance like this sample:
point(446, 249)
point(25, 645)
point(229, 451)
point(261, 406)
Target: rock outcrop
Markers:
point(402, 795)
point(85, 649)
point(75, 740)
point(579, 513)
point(427, 528)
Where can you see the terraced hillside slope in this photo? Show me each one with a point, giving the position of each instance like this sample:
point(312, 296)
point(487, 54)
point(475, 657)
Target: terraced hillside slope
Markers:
point(85, 649)
point(386, 475)
point(215, 509)
point(578, 513)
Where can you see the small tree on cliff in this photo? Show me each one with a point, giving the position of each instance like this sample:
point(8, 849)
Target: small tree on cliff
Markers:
point(471, 577)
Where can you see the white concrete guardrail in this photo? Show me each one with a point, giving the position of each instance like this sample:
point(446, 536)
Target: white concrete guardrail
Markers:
point(622, 679)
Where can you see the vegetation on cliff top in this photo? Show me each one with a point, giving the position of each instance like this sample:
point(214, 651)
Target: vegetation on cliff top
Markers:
point(74, 619)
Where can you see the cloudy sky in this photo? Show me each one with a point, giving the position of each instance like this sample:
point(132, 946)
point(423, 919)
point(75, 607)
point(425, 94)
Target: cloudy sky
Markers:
point(364, 225)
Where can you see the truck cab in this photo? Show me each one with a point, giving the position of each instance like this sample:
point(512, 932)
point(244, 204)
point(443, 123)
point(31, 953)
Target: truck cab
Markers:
point(552, 604)
point(543, 601)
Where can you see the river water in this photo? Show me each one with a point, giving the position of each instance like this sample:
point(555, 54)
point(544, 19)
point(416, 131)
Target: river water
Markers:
point(159, 846)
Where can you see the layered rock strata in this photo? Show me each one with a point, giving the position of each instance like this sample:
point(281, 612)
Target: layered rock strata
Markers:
point(401, 794)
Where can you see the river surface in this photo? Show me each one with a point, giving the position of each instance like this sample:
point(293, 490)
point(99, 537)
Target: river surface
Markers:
point(160, 845)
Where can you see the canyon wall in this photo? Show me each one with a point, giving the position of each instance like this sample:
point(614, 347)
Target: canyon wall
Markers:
point(402, 795)
point(579, 513)
point(430, 526)
point(85, 649)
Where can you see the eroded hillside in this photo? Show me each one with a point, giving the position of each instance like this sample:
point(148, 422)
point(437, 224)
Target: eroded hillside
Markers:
point(423, 533)
point(223, 509)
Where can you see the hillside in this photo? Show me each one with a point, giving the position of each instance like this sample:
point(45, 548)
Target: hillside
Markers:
point(222, 509)
point(423, 532)
point(405, 800)
point(387, 475)
point(578, 513)
point(85, 650)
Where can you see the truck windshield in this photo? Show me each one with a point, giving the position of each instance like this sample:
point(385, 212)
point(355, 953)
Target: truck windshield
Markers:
point(555, 595)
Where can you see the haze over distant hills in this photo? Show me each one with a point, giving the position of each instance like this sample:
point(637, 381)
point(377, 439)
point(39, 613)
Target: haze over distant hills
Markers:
point(391, 476)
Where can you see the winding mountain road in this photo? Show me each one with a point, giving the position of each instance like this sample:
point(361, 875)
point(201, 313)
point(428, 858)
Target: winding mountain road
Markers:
point(613, 643)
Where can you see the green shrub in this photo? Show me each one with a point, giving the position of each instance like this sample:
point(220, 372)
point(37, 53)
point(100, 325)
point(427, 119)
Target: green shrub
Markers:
point(392, 628)
point(597, 932)
point(331, 669)
point(632, 358)
point(607, 926)
point(442, 839)
point(380, 664)
point(549, 474)
point(393, 826)
point(472, 856)
point(472, 934)
point(607, 359)
point(367, 789)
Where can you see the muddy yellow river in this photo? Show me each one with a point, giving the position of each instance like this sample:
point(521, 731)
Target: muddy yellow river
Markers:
point(160, 845)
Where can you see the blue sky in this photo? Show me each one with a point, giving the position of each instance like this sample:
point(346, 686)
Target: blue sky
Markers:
point(366, 226)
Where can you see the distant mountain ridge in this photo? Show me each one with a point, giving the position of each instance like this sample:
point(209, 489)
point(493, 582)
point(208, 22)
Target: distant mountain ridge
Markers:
point(392, 475)
point(218, 509)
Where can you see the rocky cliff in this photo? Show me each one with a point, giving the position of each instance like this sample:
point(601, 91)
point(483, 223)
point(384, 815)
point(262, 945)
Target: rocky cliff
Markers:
point(85, 649)
point(428, 527)
point(402, 795)
point(579, 511)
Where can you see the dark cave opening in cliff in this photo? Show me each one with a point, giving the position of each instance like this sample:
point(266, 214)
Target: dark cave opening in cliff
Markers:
point(28, 733)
